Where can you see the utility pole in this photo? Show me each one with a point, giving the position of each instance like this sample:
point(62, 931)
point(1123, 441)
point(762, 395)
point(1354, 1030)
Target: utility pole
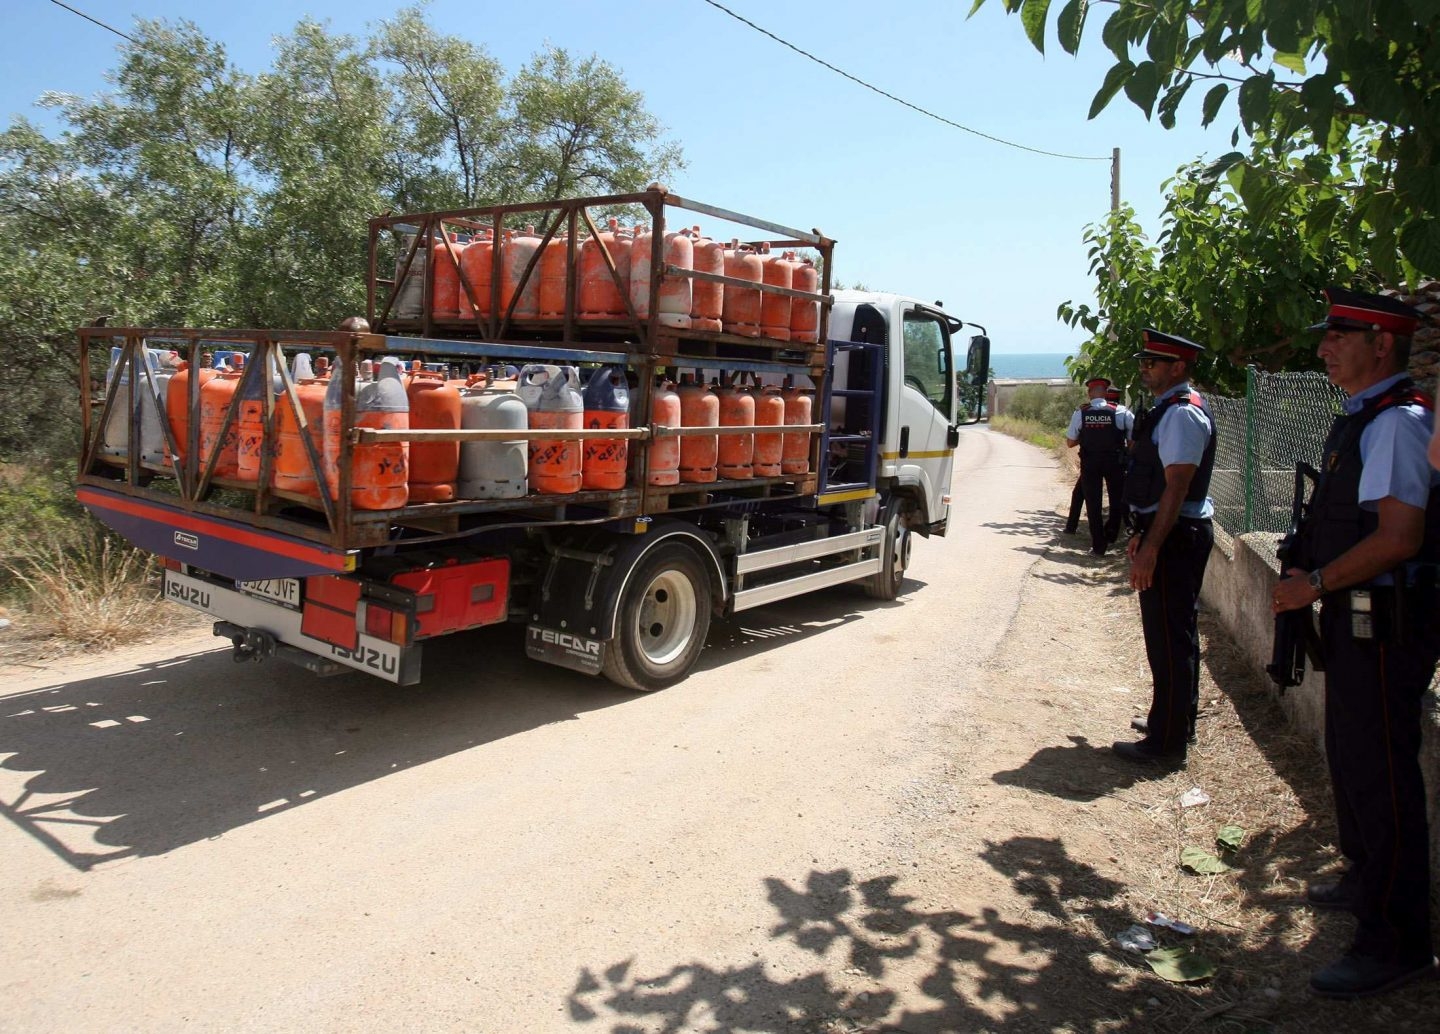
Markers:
point(1115, 180)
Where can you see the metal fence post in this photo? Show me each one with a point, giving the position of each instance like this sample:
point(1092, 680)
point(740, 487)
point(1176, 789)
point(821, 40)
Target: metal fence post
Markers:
point(1251, 386)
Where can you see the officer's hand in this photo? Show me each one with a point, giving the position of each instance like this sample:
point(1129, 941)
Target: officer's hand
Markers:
point(1142, 564)
point(1293, 591)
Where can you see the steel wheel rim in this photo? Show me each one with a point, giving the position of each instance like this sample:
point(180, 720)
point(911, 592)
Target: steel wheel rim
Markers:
point(900, 559)
point(666, 619)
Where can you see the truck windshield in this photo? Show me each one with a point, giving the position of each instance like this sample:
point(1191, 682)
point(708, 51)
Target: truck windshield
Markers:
point(927, 359)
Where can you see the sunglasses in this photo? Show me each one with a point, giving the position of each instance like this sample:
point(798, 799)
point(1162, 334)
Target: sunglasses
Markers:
point(1150, 362)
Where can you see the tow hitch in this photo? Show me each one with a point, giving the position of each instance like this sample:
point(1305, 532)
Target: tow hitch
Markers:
point(255, 644)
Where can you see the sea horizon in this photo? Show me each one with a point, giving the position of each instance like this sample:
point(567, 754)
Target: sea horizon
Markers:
point(1029, 365)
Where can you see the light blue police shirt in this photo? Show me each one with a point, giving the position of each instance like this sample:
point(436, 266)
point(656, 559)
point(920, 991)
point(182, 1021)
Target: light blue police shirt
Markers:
point(1393, 450)
point(1182, 434)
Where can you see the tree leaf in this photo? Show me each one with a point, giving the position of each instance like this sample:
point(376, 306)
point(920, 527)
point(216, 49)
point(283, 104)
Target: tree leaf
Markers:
point(975, 7)
point(1180, 965)
point(1119, 73)
point(1420, 243)
point(1230, 837)
point(1171, 101)
point(1032, 16)
point(1294, 62)
point(1221, 165)
point(1071, 24)
point(1202, 862)
point(1142, 86)
point(1214, 97)
point(1255, 100)
point(1116, 35)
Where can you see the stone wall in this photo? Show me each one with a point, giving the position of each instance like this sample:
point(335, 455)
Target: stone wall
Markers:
point(1000, 391)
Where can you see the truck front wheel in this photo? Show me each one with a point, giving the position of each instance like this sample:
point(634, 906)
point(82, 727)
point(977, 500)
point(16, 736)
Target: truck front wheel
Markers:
point(895, 551)
point(663, 620)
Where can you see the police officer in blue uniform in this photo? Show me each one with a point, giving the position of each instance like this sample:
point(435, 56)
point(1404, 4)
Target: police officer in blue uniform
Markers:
point(1099, 429)
point(1167, 489)
point(1371, 546)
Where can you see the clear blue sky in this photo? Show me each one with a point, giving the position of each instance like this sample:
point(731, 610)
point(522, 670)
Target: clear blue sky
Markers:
point(916, 206)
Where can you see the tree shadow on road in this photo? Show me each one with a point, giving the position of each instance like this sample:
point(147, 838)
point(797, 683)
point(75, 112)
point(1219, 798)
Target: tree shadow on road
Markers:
point(1049, 967)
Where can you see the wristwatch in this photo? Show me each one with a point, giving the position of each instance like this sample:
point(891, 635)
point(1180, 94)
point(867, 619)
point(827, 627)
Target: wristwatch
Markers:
point(1317, 582)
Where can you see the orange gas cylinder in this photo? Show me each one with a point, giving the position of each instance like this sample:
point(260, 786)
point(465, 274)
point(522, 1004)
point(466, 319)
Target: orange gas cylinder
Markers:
point(795, 459)
point(215, 396)
point(434, 466)
point(665, 452)
point(177, 409)
point(740, 306)
point(805, 316)
point(552, 399)
point(598, 296)
point(514, 257)
point(554, 261)
point(737, 451)
point(769, 448)
point(607, 404)
point(445, 302)
point(674, 302)
point(477, 264)
point(293, 471)
point(775, 308)
point(379, 478)
point(699, 454)
point(707, 300)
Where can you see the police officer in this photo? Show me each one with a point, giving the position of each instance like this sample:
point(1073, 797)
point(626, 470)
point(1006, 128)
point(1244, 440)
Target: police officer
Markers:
point(1116, 517)
point(1371, 543)
point(1167, 488)
point(1099, 430)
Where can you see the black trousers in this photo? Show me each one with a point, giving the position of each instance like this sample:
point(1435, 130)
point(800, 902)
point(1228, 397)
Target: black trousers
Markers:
point(1099, 473)
point(1169, 612)
point(1372, 745)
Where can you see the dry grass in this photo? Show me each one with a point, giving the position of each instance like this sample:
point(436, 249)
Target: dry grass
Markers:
point(83, 590)
point(1030, 431)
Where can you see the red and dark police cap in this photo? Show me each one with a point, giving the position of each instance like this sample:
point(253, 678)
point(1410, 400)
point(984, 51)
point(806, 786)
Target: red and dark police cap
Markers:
point(1102, 382)
point(1167, 346)
point(1112, 394)
point(1356, 310)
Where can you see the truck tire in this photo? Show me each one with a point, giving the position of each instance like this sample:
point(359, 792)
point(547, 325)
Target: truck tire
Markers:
point(885, 584)
point(664, 616)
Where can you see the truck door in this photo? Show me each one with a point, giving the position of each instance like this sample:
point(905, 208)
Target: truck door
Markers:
point(927, 406)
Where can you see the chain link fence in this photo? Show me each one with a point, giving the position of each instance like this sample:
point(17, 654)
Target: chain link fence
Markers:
point(1283, 419)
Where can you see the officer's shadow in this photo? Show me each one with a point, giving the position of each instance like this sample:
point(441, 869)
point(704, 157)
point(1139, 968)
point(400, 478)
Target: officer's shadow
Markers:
point(1080, 771)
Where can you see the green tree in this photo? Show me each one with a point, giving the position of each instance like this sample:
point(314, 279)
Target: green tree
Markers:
point(576, 128)
point(1306, 72)
point(1215, 275)
point(195, 194)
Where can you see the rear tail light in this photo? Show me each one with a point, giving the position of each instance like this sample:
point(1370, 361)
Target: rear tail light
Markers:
point(383, 623)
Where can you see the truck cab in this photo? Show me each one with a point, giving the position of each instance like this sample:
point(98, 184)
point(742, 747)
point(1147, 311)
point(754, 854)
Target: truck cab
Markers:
point(919, 425)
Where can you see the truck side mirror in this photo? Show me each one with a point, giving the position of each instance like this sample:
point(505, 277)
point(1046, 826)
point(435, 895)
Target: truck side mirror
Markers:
point(977, 362)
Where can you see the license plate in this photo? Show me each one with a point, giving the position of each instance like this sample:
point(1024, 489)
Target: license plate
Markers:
point(284, 591)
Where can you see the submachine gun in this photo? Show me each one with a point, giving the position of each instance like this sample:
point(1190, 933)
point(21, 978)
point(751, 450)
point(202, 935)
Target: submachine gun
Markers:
point(1295, 636)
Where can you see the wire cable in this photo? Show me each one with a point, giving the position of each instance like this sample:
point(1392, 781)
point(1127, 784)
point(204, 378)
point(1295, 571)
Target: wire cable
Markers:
point(901, 100)
point(97, 21)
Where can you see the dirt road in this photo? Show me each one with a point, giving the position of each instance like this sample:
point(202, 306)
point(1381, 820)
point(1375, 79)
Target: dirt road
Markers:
point(855, 816)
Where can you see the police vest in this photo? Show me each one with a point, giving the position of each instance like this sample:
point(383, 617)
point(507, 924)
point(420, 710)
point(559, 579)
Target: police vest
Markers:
point(1099, 435)
point(1337, 521)
point(1145, 482)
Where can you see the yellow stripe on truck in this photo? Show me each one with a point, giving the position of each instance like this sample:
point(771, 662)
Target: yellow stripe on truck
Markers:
point(919, 455)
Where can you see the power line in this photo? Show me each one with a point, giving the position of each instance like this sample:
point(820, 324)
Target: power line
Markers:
point(901, 100)
point(97, 21)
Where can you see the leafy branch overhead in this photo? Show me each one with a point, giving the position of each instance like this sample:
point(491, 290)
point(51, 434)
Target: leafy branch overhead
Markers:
point(1306, 73)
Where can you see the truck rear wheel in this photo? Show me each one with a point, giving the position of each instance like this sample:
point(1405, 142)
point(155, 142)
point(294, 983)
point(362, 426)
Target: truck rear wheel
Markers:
point(663, 620)
point(895, 550)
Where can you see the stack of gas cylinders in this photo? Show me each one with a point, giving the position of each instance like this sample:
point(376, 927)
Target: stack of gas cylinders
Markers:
point(614, 279)
point(554, 398)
